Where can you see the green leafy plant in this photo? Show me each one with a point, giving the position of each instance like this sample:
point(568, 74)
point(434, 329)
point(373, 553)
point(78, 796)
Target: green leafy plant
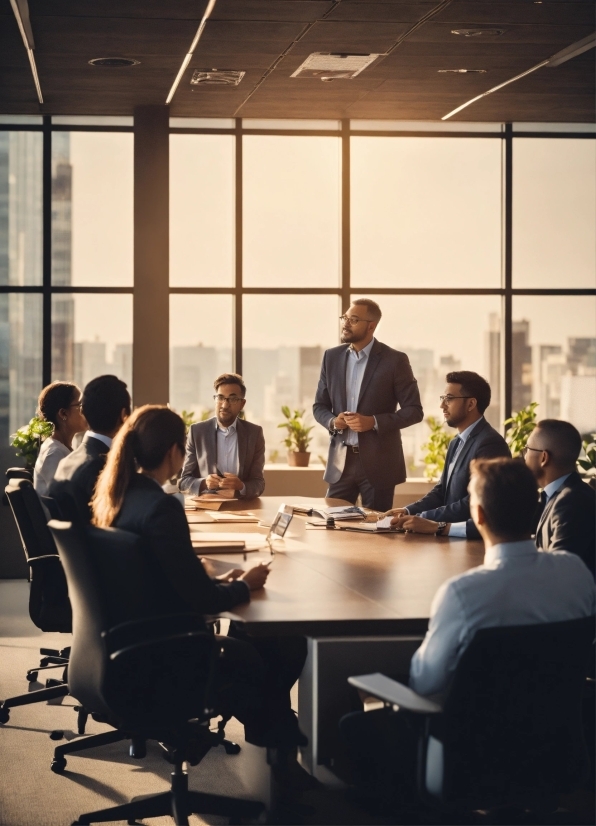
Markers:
point(28, 439)
point(298, 437)
point(519, 427)
point(435, 449)
point(586, 465)
point(189, 417)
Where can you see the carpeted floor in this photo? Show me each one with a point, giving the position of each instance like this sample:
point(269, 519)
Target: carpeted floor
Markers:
point(32, 795)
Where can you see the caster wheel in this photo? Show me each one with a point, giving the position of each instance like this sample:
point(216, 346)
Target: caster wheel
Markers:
point(43, 662)
point(32, 677)
point(4, 715)
point(232, 748)
point(58, 765)
point(57, 735)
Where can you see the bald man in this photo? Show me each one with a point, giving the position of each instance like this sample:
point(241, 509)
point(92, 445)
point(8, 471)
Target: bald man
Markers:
point(567, 516)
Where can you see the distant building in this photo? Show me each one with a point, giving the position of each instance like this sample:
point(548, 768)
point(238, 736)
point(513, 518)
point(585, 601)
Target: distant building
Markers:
point(521, 378)
point(192, 371)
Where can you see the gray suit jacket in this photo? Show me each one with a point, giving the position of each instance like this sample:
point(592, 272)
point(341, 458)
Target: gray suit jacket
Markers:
point(388, 381)
point(201, 456)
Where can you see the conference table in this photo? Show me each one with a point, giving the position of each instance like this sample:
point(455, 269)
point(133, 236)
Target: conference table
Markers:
point(362, 600)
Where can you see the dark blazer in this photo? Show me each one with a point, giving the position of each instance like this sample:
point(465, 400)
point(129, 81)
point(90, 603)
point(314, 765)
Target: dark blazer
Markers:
point(76, 478)
point(388, 382)
point(178, 580)
point(450, 501)
point(201, 456)
point(568, 520)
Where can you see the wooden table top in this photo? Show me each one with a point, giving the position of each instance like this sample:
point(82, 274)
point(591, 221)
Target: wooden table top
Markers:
point(337, 583)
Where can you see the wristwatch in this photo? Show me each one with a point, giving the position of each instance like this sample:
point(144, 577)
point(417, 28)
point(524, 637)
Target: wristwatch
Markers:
point(441, 528)
point(333, 430)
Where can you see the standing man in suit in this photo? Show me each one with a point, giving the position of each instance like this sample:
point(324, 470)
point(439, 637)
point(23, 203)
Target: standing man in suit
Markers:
point(360, 388)
point(225, 453)
point(567, 513)
point(445, 510)
point(105, 403)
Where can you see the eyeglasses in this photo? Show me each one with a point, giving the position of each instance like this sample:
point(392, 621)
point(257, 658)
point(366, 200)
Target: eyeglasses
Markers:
point(76, 404)
point(230, 399)
point(524, 450)
point(352, 320)
point(449, 399)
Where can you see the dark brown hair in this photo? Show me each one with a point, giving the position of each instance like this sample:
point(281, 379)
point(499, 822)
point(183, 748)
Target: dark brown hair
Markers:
point(508, 494)
point(142, 441)
point(372, 308)
point(230, 378)
point(472, 385)
point(55, 397)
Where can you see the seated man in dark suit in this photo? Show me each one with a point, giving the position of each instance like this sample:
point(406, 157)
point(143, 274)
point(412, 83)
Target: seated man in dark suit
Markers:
point(445, 510)
point(106, 405)
point(225, 452)
point(567, 514)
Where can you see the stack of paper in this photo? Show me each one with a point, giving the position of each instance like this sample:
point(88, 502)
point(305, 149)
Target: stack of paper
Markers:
point(232, 516)
point(346, 512)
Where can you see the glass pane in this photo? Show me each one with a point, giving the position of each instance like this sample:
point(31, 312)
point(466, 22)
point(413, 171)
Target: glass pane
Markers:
point(200, 349)
point(554, 127)
point(91, 336)
point(21, 208)
point(202, 123)
point(256, 123)
point(291, 211)
point(92, 120)
point(20, 365)
point(554, 212)
point(426, 212)
point(440, 334)
point(284, 340)
point(92, 209)
point(554, 357)
point(422, 126)
point(202, 224)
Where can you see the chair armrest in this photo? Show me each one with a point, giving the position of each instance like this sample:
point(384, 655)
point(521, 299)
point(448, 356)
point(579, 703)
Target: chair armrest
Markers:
point(390, 691)
point(37, 560)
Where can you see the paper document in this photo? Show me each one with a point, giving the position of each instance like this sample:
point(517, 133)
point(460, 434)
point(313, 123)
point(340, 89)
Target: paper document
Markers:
point(346, 512)
point(232, 516)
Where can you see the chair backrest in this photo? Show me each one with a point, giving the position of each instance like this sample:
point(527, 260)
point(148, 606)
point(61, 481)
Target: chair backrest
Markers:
point(19, 473)
point(512, 715)
point(128, 662)
point(49, 606)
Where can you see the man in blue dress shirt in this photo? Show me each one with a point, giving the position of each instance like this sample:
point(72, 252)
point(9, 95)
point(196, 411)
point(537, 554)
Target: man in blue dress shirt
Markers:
point(517, 585)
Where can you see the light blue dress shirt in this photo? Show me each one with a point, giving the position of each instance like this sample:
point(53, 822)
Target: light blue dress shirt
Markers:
point(357, 361)
point(554, 486)
point(458, 529)
point(227, 450)
point(100, 438)
point(516, 585)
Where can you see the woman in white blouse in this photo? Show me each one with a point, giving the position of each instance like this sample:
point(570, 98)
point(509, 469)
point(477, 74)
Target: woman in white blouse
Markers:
point(59, 403)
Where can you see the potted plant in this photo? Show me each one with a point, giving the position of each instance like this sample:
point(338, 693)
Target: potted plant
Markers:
point(586, 464)
point(519, 427)
point(298, 438)
point(435, 449)
point(28, 439)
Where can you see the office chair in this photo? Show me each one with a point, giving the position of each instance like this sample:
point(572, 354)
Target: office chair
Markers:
point(49, 606)
point(149, 678)
point(509, 732)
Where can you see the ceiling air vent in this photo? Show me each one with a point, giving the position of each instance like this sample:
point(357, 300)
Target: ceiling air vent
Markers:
point(478, 32)
point(114, 62)
point(216, 77)
point(324, 66)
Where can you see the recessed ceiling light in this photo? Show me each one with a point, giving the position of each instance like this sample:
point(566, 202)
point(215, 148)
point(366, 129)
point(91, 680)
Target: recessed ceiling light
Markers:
point(326, 67)
point(462, 71)
point(478, 32)
point(114, 62)
point(216, 77)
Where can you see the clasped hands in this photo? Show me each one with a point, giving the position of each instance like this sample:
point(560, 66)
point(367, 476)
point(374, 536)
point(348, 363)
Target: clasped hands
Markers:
point(226, 482)
point(255, 577)
point(357, 422)
point(409, 522)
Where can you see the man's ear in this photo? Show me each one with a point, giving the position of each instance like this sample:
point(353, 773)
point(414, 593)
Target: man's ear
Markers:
point(124, 414)
point(480, 515)
point(545, 458)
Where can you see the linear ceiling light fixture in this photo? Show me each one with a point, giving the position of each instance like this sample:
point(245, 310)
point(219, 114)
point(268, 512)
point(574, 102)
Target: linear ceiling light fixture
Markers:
point(21, 12)
point(193, 46)
point(556, 60)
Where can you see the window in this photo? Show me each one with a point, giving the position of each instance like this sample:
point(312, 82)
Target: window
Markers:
point(554, 213)
point(291, 211)
point(425, 212)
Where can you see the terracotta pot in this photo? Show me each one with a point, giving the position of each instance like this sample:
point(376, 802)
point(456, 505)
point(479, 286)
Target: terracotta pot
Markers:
point(296, 459)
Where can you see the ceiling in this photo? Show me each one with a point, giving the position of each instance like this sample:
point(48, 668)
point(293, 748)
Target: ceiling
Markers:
point(269, 39)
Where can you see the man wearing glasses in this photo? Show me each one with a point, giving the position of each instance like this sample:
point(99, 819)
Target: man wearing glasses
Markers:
point(225, 453)
point(360, 388)
point(445, 510)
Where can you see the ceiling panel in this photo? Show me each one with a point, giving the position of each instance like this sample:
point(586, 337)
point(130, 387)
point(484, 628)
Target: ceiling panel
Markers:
point(269, 39)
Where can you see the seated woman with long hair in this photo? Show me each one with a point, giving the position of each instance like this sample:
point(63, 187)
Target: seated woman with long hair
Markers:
point(147, 451)
point(60, 404)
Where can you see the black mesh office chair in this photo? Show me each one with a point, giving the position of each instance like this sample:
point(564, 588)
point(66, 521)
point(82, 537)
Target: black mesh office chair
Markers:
point(49, 606)
point(509, 732)
point(149, 677)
